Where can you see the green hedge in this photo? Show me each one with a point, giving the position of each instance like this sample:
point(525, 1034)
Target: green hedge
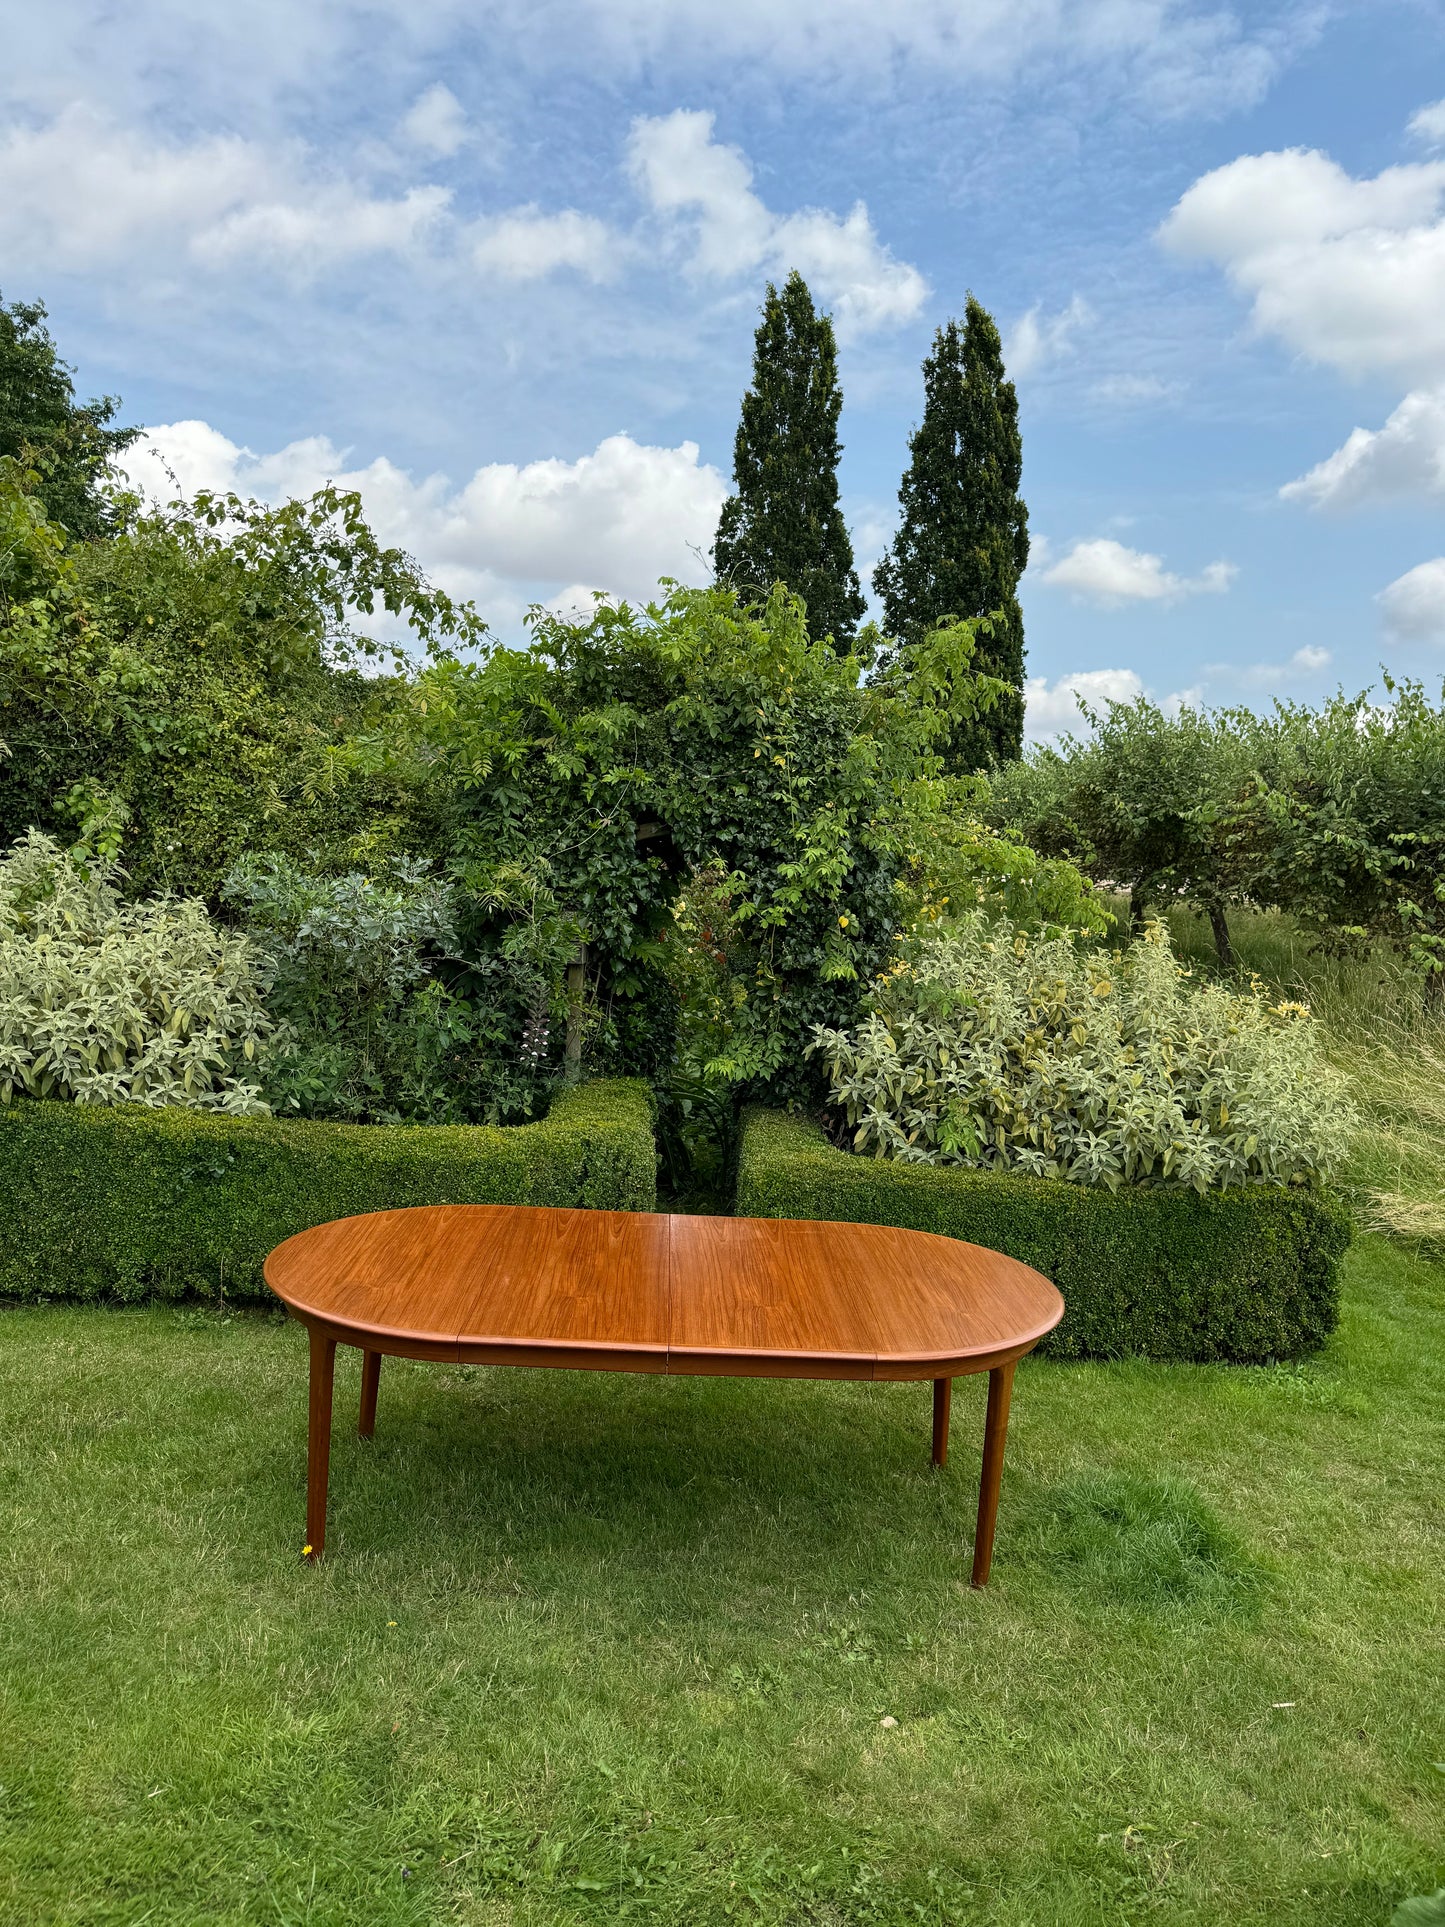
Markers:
point(129, 1203)
point(1246, 1275)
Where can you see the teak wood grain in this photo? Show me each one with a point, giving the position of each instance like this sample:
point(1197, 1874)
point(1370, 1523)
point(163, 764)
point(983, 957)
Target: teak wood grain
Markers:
point(647, 1292)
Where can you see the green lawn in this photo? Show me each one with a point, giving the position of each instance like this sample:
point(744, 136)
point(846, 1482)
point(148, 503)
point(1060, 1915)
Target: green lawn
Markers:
point(593, 1648)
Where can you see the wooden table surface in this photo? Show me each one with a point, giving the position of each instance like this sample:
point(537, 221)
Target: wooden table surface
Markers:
point(652, 1292)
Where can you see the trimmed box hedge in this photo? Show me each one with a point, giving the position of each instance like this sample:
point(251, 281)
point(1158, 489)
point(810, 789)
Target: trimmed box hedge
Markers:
point(126, 1203)
point(1246, 1275)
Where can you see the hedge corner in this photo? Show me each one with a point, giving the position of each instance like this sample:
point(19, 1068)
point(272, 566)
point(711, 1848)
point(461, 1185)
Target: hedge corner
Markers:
point(1248, 1275)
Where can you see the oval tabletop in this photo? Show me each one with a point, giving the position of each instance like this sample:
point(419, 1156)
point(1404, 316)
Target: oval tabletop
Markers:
point(644, 1291)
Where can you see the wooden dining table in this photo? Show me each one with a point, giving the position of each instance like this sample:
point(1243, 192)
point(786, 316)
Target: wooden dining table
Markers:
point(633, 1291)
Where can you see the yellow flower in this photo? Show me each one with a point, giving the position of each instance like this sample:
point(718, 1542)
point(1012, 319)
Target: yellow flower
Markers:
point(305, 1552)
point(842, 923)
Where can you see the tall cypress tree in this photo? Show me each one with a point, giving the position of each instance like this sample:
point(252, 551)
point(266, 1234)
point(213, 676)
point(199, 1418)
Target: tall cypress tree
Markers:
point(963, 541)
point(784, 523)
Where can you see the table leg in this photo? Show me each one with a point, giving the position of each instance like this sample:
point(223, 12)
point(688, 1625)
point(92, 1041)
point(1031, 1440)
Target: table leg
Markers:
point(318, 1442)
point(942, 1398)
point(370, 1379)
point(1000, 1385)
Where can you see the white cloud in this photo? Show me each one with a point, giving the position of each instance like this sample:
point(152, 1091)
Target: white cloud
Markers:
point(1106, 572)
point(182, 458)
point(526, 245)
point(705, 188)
point(325, 224)
point(1168, 57)
point(1308, 661)
point(615, 520)
point(1134, 391)
point(577, 601)
point(1052, 707)
point(1405, 457)
point(436, 122)
point(1413, 605)
point(1036, 338)
point(680, 169)
point(1347, 272)
point(82, 194)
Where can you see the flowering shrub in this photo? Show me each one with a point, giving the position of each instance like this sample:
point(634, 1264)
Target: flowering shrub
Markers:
point(109, 1002)
point(991, 1050)
point(355, 937)
point(365, 1028)
point(381, 1018)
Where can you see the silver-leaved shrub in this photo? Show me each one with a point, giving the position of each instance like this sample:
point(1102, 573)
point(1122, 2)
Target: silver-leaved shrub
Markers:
point(109, 1002)
point(989, 1049)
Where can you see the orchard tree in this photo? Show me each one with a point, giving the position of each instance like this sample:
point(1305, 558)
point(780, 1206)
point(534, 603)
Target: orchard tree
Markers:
point(68, 444)
point(1354, 796)
point(1335, 815)
point(1164, 806)
point(784, 523)
point(963, 543)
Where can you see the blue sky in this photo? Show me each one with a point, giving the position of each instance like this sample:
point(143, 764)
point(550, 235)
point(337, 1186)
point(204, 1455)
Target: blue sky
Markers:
point(499, 265)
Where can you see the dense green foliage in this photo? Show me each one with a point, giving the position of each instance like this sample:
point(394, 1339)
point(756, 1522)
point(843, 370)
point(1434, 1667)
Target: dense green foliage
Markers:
point(987, 1050)
point(181, 693)
point(949, 863)
point(962, 540)
point(1351, 811)
point(68, 445)
point(582, 780)
point(1159, 1271)
point(784, 524)
point(1336, 814)
point(193, 694)
point(1149, 802)
point(193, 678)
point(124, 1203)
point(958, 863)
point(108, 1002)
point(362, 974)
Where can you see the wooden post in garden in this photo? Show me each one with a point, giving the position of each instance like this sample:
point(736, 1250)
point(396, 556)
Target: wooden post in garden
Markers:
point(576, 998)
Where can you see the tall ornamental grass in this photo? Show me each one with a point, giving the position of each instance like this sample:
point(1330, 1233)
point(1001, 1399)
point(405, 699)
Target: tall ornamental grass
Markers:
point(992, 1050)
